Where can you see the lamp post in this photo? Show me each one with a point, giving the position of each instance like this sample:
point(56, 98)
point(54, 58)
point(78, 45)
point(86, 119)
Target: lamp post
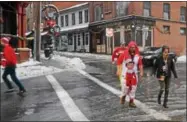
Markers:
point(133, 29)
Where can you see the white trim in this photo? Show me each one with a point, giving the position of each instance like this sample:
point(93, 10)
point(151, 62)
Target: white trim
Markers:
point(70, 107)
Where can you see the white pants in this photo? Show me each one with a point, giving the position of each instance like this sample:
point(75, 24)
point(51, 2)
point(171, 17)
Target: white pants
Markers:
point(125, 89)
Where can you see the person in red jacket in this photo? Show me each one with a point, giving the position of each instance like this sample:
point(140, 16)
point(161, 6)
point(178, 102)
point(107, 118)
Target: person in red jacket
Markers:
point(10, 66)
point(116, 53)
point(131, 53)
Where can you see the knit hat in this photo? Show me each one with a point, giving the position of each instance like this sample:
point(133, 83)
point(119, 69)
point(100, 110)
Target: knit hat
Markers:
point(5, 40)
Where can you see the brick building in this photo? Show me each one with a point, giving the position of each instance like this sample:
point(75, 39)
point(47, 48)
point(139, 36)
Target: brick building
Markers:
point(13, 20)
point(168, 24)
point(170, 27)
point(125, 23)
point(148, 23)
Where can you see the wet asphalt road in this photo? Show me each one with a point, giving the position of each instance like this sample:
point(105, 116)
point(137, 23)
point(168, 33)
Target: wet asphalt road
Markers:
point(96, 103)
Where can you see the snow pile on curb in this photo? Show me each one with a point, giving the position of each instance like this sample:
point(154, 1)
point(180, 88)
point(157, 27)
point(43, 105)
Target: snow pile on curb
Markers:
point(181, 58)
point(96, 56)
point(31, 62)
point(34, 71)
point(31, 69)
point(76, 63)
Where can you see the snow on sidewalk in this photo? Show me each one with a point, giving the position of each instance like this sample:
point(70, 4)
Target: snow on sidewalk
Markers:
point(31, 69)
point(68, 63)
point(96, 56)
point(182, 59)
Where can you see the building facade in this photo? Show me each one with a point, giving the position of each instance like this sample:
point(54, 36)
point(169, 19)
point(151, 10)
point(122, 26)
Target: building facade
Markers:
point(170, 26)
point(13, 20)
point(148, 23)
point(74, 23)
point(125, 24)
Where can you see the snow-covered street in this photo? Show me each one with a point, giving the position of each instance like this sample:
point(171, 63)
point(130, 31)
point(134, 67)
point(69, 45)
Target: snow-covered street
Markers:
point(79, 87)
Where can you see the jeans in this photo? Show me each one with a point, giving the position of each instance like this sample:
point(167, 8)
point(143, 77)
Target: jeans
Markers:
point(10, 70)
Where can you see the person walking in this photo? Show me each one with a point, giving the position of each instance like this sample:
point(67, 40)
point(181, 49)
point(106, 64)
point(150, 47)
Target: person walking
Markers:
point(115, 56)
point(163, 67)
point(131, 53)
point(10, 66)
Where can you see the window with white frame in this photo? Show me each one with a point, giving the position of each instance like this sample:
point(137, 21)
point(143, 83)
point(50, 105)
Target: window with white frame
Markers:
point(121, 8)
point(73, 18)
point(183, 14)
point(183, 31)
point(86, 16)
point(75, 39)
point(79, 39)
point(62, 21)
point(67, 20)
point(80, 17)
point(139, 37)
point(166, 12)
point(166, 29)
point(147, 9)
point(70, 41)
point(98, 13)
point(87, 39)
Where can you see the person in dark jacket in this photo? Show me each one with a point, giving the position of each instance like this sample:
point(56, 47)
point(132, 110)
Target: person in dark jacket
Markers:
point(10, 66)
point(163, 67)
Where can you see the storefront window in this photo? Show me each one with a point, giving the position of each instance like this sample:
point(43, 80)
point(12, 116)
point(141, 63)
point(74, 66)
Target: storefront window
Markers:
point(70, 41)
point(79, 39)
point(87, 39)
point(117, 39)
point(127, 37)
point(139, 37)
point(148, 39)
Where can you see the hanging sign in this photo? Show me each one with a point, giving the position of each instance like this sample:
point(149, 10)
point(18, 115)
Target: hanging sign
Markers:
point(109, 32)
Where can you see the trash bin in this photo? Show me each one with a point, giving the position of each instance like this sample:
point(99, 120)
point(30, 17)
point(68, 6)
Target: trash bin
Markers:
point(46, 52)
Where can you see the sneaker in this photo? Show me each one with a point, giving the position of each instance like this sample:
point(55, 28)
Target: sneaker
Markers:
point(165, 106)
point(131, 104)
point(9, 90)
point(22, 91)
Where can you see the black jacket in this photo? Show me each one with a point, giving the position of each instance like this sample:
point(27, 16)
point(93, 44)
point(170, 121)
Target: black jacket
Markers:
point(160, 63)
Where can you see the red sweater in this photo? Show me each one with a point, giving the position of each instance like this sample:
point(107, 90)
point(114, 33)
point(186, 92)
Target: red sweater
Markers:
point(117, 52)
point(10, 56)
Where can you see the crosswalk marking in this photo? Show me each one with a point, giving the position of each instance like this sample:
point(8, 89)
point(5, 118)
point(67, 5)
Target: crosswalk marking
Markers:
point(142, 106)
point(71, 109)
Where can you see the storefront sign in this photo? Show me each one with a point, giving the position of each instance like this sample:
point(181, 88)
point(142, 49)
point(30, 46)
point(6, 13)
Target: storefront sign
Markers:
point(109, 32)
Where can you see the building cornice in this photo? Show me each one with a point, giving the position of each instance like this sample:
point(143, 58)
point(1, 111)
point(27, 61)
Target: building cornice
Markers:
point(73, 7)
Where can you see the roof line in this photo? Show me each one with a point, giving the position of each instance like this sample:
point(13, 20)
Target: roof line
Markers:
point(75, 6)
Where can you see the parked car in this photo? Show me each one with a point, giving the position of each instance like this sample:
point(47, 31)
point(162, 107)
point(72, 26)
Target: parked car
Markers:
point(150, 54)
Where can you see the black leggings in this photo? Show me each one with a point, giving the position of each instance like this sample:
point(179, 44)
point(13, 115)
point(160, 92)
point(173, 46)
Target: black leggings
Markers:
point(11, 71)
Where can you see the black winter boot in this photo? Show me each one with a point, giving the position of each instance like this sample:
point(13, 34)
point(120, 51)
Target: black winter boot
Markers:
point(159, 96)
point(166, 99)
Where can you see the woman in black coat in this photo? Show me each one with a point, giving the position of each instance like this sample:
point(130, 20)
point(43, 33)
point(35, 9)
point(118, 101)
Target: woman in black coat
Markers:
point(163, 67)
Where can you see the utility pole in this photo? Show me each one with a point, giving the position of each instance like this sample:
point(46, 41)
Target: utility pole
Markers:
point(37, 30)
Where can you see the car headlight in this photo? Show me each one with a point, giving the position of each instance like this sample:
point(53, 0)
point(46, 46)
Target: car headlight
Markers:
point(148, 57)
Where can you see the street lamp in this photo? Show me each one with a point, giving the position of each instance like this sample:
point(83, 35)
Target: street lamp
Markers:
point(133, 30)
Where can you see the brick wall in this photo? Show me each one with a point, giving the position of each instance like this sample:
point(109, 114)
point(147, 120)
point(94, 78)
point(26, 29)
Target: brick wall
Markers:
point(174, 40)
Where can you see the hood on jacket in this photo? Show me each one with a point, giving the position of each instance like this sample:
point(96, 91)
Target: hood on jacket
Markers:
point(133, 44)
